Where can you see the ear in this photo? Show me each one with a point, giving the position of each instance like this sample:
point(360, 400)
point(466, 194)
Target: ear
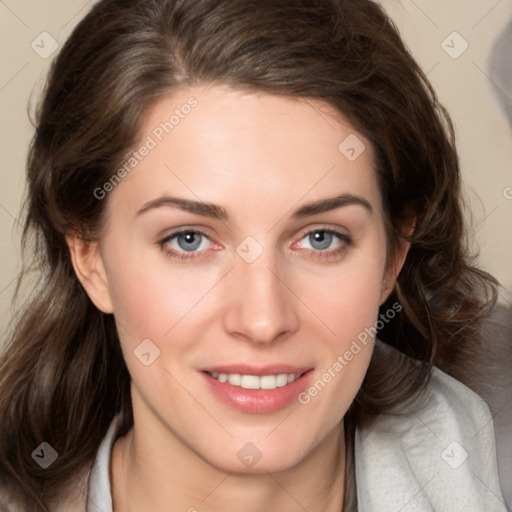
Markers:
point(394, 267)
point(90, 270)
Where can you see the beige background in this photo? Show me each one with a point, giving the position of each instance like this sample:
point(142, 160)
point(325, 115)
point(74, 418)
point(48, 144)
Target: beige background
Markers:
point(484, 136)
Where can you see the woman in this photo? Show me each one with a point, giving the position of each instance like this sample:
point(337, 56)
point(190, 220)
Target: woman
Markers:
point(227, 201)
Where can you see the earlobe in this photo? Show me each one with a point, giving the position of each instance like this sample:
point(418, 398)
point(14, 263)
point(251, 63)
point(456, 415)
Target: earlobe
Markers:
point(393, 270)
point(395, 266)
point(90, 271)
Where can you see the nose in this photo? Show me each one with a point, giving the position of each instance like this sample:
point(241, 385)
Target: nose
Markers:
point(260, 308)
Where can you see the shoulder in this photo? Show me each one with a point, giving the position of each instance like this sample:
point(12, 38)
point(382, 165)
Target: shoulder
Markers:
point(74, 498)
point(99, 497)
point(6, 503)
point(93, 492)
point(90, 492)
point(440, 455)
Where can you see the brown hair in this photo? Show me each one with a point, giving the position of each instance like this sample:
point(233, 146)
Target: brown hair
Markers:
point(62, 375)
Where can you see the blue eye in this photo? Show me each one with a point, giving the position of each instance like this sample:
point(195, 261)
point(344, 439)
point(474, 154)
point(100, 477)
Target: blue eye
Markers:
point(322, 239)
point(185, 244)
point(325, 245)
point(189, 241)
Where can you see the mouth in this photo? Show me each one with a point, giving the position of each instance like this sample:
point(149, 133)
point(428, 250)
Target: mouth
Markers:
point(257, 390)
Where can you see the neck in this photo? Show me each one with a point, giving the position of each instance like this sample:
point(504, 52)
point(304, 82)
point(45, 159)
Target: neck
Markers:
point(145, 477)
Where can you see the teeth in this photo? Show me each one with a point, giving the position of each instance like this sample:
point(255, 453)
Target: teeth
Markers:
point(268, 382)
point(281, 380)
point(250, 382)
point(254, 381)
point(235, 379)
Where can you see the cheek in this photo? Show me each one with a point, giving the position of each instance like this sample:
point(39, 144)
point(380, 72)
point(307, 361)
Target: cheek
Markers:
point(348, 308)
point(151, 295)
point(138, 301)
point(346, 298)
point(153, 302)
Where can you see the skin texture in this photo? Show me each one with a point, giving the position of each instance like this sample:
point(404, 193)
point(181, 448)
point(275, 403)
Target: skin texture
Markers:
point(260, 157)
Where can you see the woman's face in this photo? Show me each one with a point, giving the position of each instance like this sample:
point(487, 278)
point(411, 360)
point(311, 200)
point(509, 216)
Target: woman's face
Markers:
point(274, 282)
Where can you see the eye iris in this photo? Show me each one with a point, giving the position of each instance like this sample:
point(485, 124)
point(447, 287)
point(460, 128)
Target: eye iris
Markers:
point(189, 241)
point(320, 239)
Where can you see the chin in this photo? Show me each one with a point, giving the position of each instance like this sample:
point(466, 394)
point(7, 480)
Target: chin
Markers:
point(259, 457)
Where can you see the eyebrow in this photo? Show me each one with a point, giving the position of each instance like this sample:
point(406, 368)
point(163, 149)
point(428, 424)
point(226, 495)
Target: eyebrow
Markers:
point(218, 212)
point(325, 205)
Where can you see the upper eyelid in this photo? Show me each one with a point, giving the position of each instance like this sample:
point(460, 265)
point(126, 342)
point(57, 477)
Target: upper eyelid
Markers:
point(331, 230)
point(181, 231)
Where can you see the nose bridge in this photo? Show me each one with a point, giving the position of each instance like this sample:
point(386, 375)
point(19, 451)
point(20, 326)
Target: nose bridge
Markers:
point(260, 308)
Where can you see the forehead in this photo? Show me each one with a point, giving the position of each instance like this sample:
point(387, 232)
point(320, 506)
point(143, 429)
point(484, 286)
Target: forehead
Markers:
point(246, 151)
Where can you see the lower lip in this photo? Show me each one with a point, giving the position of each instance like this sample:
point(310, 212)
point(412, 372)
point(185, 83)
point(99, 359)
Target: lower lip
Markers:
point(258, 401)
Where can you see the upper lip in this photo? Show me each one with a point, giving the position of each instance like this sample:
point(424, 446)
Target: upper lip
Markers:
point(247, 369)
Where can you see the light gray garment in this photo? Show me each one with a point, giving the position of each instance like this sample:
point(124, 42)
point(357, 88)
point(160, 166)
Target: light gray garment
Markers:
point(440, 458)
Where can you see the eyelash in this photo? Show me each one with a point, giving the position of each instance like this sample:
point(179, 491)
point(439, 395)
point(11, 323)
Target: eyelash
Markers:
point(324, 255)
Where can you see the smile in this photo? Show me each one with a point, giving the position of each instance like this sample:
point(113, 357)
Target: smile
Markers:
point(257, 390)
